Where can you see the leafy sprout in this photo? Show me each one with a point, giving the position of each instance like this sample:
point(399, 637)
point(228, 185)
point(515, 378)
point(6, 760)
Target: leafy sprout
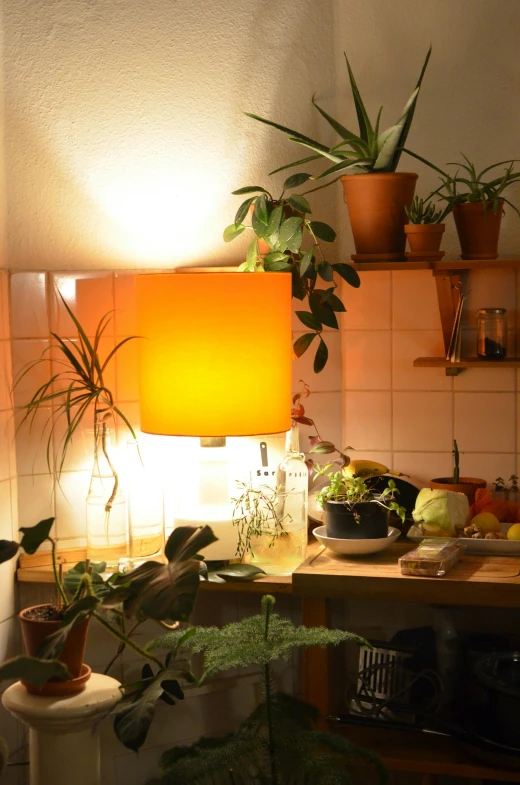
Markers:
point(422, 211)
point(354, 490)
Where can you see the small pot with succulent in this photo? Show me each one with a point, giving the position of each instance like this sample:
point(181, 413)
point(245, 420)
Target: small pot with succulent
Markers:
point(477, 204)
point(366, 163)
point(287, 240)
point(425, 230)
point(508, 488)
point(466, 485)
point(352, 511)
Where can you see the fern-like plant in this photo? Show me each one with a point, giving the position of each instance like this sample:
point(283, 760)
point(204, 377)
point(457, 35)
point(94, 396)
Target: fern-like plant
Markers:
point(278, 744)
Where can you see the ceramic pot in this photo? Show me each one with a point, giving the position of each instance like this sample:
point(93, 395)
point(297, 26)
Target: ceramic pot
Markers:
point(34, 632)
point(342, 525)
point(424, 237)
point(478, 229)
point(375, 205)
point(466, 485)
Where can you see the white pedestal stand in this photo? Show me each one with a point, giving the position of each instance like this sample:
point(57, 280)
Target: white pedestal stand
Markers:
point(63, 735)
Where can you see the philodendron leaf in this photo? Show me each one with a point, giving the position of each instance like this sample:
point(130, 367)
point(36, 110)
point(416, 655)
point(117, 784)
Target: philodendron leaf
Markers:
point(34, 536)
point(306, 261)
point(243, 210)
point(295, 180)
point(249, 189)
point(309, 320)
point(273, 224)
point(325, 271)
point(74, 576)
point(288, 228)
point(239, 572)
point(232, 231)
point(33, 670)
point(8, 550)
point(300, 203)
point(323, 448)
point(51, 647)
point(347, 272)
point(321, 357)
point(302, 343)
point(323, 231)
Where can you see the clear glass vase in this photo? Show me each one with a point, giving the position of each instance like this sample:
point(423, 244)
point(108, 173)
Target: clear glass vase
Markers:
point(278, 541)
point(107, 520)
point(145, 496)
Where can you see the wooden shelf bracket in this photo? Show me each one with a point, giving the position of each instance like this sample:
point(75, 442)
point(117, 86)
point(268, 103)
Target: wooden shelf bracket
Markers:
point(448, 286)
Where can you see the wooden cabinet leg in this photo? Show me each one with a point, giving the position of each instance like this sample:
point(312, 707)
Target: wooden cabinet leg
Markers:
point(315, 664)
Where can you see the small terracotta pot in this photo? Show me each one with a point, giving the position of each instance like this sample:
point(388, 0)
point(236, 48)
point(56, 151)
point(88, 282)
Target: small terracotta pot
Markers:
point(375, 205)
point(478, 229)
point(466, 485)
point(35, 631)
point(424, 237)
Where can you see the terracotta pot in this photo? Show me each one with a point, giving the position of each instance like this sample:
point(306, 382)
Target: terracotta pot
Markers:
point(35, 631)
point(375, 205)
point(478, 229)
point(424, 237)
point(466, 485)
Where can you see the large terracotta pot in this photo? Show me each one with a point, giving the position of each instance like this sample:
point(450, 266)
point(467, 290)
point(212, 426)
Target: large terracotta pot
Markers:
point(478, 229)
point(375, 205)
point(34, 632)
point(424, 238)
point(466, 485)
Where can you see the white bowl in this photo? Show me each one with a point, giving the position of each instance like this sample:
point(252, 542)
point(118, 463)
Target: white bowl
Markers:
point(355, 547)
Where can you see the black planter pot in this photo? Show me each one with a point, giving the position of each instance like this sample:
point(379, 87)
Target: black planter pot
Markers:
point(372, 523)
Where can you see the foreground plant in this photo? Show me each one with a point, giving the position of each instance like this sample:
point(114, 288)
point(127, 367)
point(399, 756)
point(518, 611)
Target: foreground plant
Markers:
point(278, 743)
point(352, 491)
point(287, 240)
point(368, 151)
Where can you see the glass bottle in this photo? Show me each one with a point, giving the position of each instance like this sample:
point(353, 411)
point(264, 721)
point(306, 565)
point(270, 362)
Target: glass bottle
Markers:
point(293, 473)
point(145, 494)
point(107, 525)
point(491, 333)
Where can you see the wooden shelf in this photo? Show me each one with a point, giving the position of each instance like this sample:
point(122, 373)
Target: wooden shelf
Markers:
point(443, 265)
point(465, 362)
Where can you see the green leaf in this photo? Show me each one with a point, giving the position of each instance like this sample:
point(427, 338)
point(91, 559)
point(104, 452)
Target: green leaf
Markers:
point(288, 228)
point(306, 261)
point(273, 223)
point(232, 231)
point(302, 343)
point(243, 211)
point(240, 572)
point(336, 304)
point(300, 204)
point(325, 271)
point(249, 189)
point(74, 576)
point(348, 273)
point(297, 286)
point(295, 180)
point(301, 138)
point(51, 647)
point(33, 670)
point(294, 243)
point(296, 163)
point(322, 310)
point(340, 129)
point(260, 211)
point(309, 320)
point(276, 261)
point(365, 128)
point(8, 550)
point(323, 231)
point(321, 357)
point(410, 114)
point(34, 536)
point(252, 254)
point(323, 448)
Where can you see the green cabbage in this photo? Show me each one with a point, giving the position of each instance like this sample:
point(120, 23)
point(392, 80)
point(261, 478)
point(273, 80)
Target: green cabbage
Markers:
point(437, 512)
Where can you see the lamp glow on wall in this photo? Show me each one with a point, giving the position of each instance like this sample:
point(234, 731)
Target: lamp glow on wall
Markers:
point(215, 362)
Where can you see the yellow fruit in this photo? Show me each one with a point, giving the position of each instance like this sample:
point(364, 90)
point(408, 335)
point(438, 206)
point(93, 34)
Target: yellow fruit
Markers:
point(364, 469)
point(514, 532)
point(486, 522)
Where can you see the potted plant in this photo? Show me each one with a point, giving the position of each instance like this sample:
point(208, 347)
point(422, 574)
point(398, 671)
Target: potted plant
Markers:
point(375, 203)
point(352, 510)
point(279, 742)
point(466, 485)
point(424, 230)
point(287, 240)
point(477, 204)
point(507, 488)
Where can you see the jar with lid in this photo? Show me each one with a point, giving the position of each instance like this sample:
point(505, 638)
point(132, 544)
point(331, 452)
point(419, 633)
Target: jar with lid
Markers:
point(491, 333)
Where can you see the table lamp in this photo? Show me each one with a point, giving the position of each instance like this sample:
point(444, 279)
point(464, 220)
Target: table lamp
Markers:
point(215, 361)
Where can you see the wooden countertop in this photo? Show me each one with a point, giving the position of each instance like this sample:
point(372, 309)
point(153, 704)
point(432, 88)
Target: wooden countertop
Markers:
point(492, 581)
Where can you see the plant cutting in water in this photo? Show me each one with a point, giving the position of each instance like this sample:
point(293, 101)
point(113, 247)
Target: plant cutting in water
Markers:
point(278, 744)
point(291, 244)
point(354, 490)
point(257, 513)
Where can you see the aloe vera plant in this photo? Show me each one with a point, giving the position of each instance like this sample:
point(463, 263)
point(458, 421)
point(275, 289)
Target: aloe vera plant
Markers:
point(422, 211)
point(370, 150)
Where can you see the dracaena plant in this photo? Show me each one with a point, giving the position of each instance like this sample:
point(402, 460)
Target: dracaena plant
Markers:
point(370, 150)
point(291, 243)
point(278, 744)
point(162, 592)
point(469, 185)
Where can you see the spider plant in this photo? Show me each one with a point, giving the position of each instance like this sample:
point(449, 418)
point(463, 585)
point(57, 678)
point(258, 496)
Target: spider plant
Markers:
point(470, 185)
point(368, 151)
point(77, 390)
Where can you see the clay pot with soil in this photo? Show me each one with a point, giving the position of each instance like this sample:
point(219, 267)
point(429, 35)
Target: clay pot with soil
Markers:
point(457, 484)
point(478, 227)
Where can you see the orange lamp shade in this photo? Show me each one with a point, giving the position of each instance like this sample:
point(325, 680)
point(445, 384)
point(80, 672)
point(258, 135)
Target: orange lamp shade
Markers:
point(215, 354)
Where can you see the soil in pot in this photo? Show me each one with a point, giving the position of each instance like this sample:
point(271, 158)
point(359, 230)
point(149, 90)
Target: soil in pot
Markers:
point(466, 485)
point(478, 229)
point(40, 621)
point(376, 204)
point(424, 237)
point(342, 524)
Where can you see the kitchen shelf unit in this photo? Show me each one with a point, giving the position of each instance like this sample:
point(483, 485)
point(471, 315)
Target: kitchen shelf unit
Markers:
point(448, 276)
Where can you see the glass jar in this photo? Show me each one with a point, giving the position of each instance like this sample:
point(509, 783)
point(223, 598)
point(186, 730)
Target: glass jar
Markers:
point(278, 540)
point(491, 333)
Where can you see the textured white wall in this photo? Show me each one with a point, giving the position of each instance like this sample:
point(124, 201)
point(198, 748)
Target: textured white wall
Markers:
point(124, 128)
